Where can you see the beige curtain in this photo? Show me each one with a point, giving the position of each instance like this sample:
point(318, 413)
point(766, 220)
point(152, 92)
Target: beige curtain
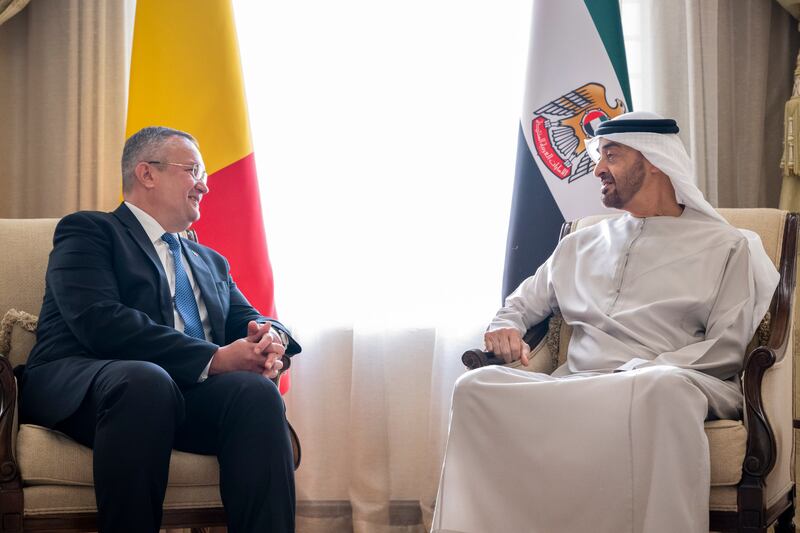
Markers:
point(723, 69)
point(9, 8)
point(62, 103)
point(790, 162)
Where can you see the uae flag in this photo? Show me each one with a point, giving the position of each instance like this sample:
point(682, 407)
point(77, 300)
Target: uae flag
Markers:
point(577, 77)
point(186, 74)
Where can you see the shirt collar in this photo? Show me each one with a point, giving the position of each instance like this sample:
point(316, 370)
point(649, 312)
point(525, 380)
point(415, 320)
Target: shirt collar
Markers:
point(150, 225)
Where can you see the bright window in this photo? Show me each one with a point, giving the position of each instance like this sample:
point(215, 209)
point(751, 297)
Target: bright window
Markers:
point(385, 137)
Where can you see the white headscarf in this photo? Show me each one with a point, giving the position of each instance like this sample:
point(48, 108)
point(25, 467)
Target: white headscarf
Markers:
point(667, 153)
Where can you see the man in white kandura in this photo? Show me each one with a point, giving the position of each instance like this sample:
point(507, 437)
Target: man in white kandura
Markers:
point(662, 301)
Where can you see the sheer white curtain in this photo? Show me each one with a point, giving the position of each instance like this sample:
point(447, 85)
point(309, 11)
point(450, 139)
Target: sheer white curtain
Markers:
point(385, 138)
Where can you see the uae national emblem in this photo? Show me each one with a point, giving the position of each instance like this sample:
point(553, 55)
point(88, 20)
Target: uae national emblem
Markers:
point(561, 127)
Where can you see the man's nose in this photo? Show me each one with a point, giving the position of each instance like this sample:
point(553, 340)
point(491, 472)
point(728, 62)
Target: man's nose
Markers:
point(202, 186)
point(600, 169)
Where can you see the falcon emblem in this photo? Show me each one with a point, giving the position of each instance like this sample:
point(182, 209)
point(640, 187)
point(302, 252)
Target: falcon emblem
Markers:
point(560, 128)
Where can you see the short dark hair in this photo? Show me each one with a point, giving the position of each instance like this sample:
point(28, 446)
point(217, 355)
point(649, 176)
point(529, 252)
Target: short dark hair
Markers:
point(142, 146)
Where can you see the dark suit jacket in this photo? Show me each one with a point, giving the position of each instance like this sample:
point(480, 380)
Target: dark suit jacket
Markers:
point(107, 298)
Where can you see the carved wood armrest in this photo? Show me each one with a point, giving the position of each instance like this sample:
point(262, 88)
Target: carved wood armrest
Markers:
point(10, 479)
point(761, 446)
point(8, 392)
point(477, 358)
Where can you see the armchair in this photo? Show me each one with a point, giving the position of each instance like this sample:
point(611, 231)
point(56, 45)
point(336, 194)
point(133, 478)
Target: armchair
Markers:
point(46, 481)
point(752, 461)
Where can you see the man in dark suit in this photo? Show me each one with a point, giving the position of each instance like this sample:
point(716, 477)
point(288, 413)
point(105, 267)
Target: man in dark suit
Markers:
point(145, 344)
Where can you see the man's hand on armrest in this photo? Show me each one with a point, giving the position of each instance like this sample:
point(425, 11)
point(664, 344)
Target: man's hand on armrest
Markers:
point(508, 344)
point(259, 352)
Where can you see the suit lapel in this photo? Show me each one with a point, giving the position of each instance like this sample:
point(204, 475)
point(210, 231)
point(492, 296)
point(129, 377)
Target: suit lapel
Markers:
point(208, 288)
point(139, 236)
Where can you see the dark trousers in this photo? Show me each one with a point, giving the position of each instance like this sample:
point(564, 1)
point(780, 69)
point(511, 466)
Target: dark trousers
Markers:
point(134, 415)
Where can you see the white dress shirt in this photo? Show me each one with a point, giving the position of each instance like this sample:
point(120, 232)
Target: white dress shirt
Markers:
point(154, 232)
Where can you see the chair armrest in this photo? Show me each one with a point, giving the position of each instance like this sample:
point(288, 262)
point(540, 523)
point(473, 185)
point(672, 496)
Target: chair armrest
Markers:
point(476, 358)
point(772, 428)
point(761, 446)
point(8, 408)
point(10, 480)
point(534, 337)
point(768, 377)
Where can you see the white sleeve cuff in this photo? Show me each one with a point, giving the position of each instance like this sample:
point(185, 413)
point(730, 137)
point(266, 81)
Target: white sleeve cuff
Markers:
point(204, 374)
point(633, 364)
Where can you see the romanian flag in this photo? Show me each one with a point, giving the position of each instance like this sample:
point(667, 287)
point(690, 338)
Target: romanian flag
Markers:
point(186, 74)
point(577, 77)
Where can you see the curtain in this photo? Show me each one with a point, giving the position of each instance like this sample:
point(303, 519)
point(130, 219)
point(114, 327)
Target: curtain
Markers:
point(385, 138)
point(723, 69)
point(790, 162)
point(371, 407)
point(62, 99)
point(9, 8)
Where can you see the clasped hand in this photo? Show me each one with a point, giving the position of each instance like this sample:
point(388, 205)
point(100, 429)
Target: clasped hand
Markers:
point(507, 343)
point(261, 352)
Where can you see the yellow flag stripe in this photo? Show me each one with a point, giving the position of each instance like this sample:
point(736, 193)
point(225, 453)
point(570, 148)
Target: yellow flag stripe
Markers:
point(186, 74)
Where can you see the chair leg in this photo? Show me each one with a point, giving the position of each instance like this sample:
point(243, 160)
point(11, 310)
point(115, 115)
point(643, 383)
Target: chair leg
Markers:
point(785, 522)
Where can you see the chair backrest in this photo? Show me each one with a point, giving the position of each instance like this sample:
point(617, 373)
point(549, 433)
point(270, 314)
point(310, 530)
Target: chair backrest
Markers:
point(26, 246)
point(767, 223)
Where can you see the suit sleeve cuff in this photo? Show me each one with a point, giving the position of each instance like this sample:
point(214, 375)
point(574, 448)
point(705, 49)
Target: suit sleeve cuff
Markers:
point(204, 373)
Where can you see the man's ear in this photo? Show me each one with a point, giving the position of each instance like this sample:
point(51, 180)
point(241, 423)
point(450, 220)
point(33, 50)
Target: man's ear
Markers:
point(651, 169)
point(144, 175)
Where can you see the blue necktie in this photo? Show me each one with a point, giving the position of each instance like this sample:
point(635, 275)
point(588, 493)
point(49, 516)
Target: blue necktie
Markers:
point(184, 296)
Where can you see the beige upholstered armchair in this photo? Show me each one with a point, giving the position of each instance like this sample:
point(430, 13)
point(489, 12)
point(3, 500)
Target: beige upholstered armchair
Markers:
point(46, 481)
point(752, 461)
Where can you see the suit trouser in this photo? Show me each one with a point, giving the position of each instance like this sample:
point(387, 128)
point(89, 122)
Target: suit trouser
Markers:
point(134, 415)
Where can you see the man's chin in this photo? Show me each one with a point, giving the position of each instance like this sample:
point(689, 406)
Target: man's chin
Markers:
point(189, 221)
point(611, 200)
